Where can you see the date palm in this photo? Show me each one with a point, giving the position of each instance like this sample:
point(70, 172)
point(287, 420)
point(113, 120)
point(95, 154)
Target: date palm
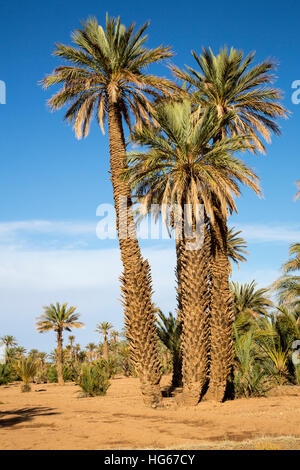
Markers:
point(248, 300)
point(169, 332)
point(9, 341)
point(229, 83)
point(26, 368)
point(183, 166)
point(236, 247)
point(288, 285)
point(103, 329)
point(91, 347)
point(58, 318)
point(106, 76)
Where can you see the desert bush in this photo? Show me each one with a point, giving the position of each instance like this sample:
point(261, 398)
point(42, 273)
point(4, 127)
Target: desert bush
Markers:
point(93, 380)
point(5, 376)
point(70, 373)
point(110, 366)
point(26, 368)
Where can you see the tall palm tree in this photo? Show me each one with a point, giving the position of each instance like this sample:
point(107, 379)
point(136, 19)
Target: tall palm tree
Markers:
point(228, 84)
point(106, 76)
point(250, 301)
point(103, 329)
point(58, 318)
point(236, 247)
point(183, 166)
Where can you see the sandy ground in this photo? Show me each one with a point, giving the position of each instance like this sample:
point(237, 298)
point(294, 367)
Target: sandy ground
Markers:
point(55, 417)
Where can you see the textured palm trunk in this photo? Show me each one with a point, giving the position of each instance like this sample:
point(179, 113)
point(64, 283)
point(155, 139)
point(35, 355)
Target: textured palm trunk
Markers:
point(59, 358)
point(136, 278)
point(195, 299)
point(222, 316)
point(105, 348)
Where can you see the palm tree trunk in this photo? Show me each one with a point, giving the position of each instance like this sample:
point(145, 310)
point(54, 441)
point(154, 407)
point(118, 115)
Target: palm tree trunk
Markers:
point(105, 348)
point(59, 358)
point(195, 298)
point(222, 316)
point(136, 279)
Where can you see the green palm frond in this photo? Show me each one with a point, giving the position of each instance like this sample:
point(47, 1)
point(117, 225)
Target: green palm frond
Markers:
point(107, 65)
point(229, 82)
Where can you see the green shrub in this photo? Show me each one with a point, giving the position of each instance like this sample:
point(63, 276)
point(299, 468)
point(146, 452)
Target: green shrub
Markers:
point(70, 374)
point(4, 374)
point(26, 368)
point(109, 367)
point(93, 380)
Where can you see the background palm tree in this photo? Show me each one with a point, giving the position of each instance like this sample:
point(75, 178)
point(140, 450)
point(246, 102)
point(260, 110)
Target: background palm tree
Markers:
point(184, 167)
point(9, 341)
point(287, 286)
point(58, 318)
point(71, 341)
point(236, 247)
point(227, 85)
point(106, 76)
point(169, 332)
point(250, 301)
point(103, 329)
point(91, 347)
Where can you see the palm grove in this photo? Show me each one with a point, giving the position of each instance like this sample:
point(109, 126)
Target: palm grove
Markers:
point(191, 132)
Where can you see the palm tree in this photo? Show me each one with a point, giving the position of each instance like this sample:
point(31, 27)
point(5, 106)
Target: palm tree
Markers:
point(106, 76)
point(227, 85)
point(9, 341)
point(103, 329)
point(250, 301)
point(169, 332)
point(183, 167)
point(71, 341)
point(91, 348)
point(115, 335)
point(58, 318)
point(297, 195)
point(26, 368)
point(288, 285)
point(236, 247)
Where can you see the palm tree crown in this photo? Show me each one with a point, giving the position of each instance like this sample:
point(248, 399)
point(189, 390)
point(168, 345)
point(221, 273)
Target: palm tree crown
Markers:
point(250, 301)
point(106, 66)
point(236, 246)
point(183, 166)
point(226, 83)
point(58, 318)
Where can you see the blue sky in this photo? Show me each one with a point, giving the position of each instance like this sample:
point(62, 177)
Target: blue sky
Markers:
point(51, 183)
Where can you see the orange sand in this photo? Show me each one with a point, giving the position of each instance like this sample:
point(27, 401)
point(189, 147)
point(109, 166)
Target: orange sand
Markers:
point(55, 417)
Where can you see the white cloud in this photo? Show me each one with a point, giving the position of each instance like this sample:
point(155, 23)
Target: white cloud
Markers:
point(269, 233)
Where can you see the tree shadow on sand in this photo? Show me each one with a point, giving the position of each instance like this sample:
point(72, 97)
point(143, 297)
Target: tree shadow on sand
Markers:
point(13, 417)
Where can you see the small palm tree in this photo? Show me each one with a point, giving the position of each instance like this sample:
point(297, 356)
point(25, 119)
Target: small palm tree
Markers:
point(236, 247)
point(58, 318)
point(169, 332)
point(26, 368)
point(103, 329)
point(71, 341)
point(91, 347)
point(250, 301)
